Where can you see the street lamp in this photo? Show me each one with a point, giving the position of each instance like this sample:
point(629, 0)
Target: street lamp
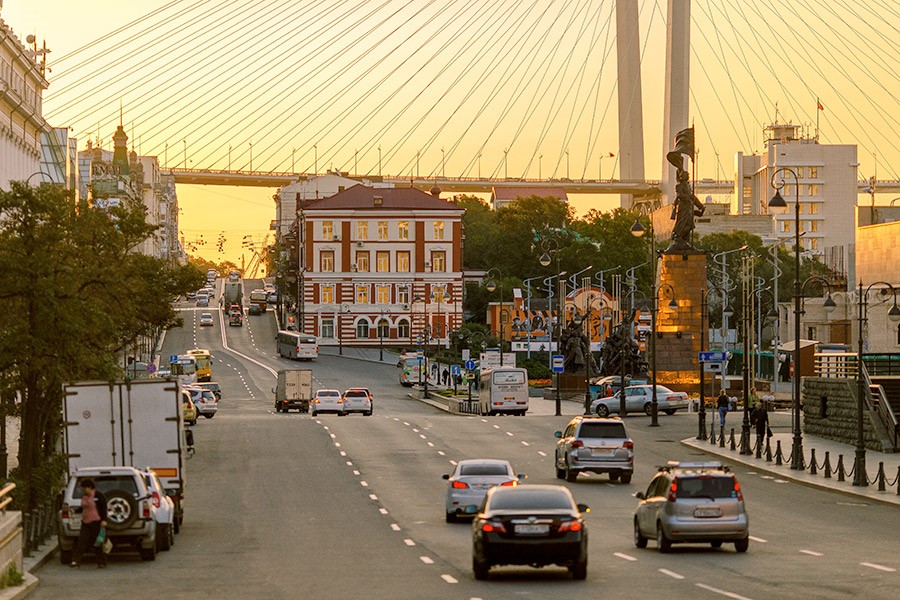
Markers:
point(345, 308)
point(551, 245)
point(859, 470)
point(527, 284)
point(637, 230)
point(493, 273)
point(382, 324)
point(726, 312)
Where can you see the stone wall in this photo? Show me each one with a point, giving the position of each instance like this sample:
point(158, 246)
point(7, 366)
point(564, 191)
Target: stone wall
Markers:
point(830, 411)
point(11, 540)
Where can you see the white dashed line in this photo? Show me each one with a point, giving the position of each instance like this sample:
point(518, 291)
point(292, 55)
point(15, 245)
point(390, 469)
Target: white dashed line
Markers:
point(332, 435)
point(395, 527)
point(496, 427)
point(383, 511)
point(430, 445)
point(879, 567)
point(510, 434)
point(409, 542)
point(373, 497)
point(426, 560)
point(542, 453)
point(441, 452)
point(780, 481)
point(449, 578)
point(524, 443)
point(405, 423)
point(337, 444)
point(756, 539)
point(415, 430)
point(422, 436)
point(811, 553)
point(349, 463)
point(453, 462)
point(356, 472)
point(345, 454)
point(723, 592)
point(671, 574)
point(624, 556)
point(364, 483)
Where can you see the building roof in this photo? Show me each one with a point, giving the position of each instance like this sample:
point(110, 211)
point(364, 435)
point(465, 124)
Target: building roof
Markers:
point(361, 197)
point(511, 193)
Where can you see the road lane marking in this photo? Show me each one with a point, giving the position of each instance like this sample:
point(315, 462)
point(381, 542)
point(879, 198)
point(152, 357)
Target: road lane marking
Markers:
point(423, 437)
point(496, 427)
point(756, 539)
point(879, 567)
point(441, 452)
point(426, 560)
point(355, 472)
point(430, 445)
point(383, 511)
point(449, 578)
point(343, 453)
point(364, 483)
point(625, 556)
point(524, 443)
point(811, 553)
point(509, 434)
point(395, 527)
point(349, 463)
point(453, 462)
point(332, 435)
point(337, 444)
point(415, 430)
point(780, 481)
point(542, 453)
point(409, 542)
point(405, 423)
point(723, 592)
point(671, 574)
point(373, 497)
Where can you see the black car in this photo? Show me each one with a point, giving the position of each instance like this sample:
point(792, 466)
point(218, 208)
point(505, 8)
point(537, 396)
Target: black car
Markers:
point(534, 525)
point(254, 309)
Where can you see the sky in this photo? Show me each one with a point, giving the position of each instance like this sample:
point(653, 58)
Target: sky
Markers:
point(455, 87)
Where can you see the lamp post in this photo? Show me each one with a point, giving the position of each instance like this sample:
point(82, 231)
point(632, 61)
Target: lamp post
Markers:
point(345, 308)
point(637, 230)
point(381, 323)
point(527, 284)
point(704, 308)
point(493, 273)
point(859, 470)
point(551, 245)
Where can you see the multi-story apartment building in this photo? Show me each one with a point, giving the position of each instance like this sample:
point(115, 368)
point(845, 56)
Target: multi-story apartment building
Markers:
point(380, 266)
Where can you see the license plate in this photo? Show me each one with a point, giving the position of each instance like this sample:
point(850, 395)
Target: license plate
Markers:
point(602, 451)
point(74, 520)
point(707, 512)
point(530, 529)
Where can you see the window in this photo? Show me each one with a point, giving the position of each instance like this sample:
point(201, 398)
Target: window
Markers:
point(326, 329)
point(382, 262)
point(799, 171)
point(384, 328)
point(438, 230)
point(403, 329)
point(327, 294)
point(362, 329)
point(362, 294)
point(362, 262)
point(803, 208)
point(438, 261)
point(327, 230)
point(811, 333)
point(786, 226)
point(403, 294)
point(813, 208)
point(326, 260)
point(814, 172)
point(812, 190)
point(748, 191)
point(382, 230)
point(362, 230)
point(439, 294)
point(403, 261)
point(813, 226)
point(383, 294)
point(813, 245)
point(403, 230)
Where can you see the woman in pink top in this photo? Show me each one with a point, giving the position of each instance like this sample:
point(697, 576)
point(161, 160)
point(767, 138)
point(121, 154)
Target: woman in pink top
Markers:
point(93, 517)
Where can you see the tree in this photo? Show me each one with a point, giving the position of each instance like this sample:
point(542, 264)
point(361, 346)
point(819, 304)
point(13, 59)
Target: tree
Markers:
point(479, 226)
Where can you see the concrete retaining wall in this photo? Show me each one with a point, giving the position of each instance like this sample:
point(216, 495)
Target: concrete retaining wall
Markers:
point(830, 411)
point(11, 540)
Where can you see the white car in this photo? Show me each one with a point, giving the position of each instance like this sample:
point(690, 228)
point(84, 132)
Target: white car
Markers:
point(206, 320)
point(328, 401)
point(358, 400)
point(204, 401)
point(470, 482)
point(165, 511)
point(639, 398)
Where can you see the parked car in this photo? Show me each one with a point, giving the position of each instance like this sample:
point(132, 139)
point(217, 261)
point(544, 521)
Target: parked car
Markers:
point(131, 518)
point(328, 401)
point(358, 400)
point(204, 400)
point(272, 298)
point(691, 502)
point(206, 320)
point(211, 386)
point(190, 411)
point(470, 481)
point(165, 511)
point(535, 525)
point(595, 445)
point(639, 398)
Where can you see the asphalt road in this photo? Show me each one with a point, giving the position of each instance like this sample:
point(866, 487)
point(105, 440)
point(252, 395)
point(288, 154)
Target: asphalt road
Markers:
point(291, 506)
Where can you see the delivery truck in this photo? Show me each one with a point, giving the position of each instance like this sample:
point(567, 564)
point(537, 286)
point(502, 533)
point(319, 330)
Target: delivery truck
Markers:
point(233, 293)
point(132, 424)
point(293, 390)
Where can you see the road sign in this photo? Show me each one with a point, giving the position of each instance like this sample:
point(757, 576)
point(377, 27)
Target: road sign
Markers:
point(470, 376)
point(470, 364)
point(151, 368)
point(420, 354)
point(173, 358)
point(558, 364)
point(466, 354)
point(711, 357)
point(455, 370)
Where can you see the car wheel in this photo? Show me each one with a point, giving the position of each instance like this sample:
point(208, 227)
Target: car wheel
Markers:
point(579, 569)
point(480, 568)
point(342, 414)
point(571, 475)
point(626, 477)
point(451, 517)
point(121, 509)
point(315, 414)
point(639, 540)
point(669, 411)
point(148, 553)
point(614, 476)
point(163, 542)
point(176, 527)
point(368, 413)
point(171, 529)
point(602, 410)
point(742, 545)
point(65, 556)
point(209, 416)
point(662, 541)
point(648, 409)
point(716, 544)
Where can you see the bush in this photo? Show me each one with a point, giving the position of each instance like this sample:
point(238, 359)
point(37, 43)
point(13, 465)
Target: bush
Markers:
point(11, 577)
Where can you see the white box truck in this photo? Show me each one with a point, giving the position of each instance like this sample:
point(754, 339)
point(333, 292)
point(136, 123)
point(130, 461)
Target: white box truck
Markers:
point(129, 424)
point(293, 390)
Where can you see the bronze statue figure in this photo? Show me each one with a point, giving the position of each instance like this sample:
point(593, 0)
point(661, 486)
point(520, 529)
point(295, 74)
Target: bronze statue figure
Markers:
point(686, 207)
point(621, 347)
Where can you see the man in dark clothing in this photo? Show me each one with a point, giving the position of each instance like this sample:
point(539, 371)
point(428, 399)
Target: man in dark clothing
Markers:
point(722, 408)
point(759, 417)
point(93, 517)
point(445, 376)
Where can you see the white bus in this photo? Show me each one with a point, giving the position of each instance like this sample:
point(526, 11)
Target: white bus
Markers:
point(184, 368)
point(411, 370)
point(503, 390)
point(296, 345)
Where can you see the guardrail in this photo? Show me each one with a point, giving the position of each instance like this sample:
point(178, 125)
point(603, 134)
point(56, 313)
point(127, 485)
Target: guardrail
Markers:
point(837, 365)
point(6, 499)
point(38, 525)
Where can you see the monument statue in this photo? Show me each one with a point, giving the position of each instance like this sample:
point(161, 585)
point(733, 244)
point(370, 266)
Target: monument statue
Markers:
point(576, 348)
point(621, 346)
point(686, 205)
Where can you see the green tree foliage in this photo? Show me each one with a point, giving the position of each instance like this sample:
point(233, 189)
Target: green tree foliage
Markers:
point(74, 295)
point(479, 226)
point(223, 267)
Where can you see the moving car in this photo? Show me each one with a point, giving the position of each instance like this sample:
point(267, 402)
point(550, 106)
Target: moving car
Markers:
point(470, 481)
point(202, 301)
point(190, 411)
point(204, 400)
point(595, 445)
point(254, 309)
point(535, 525)
point(211, 386)
point(206, 320)
point(328, 401)
point(234, 276)
point(272, 298)
point(358, 400)
point(691, 502)
point(639, 398)
point(165, 511)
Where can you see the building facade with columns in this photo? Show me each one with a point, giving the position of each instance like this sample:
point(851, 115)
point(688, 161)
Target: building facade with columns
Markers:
point(380, 266)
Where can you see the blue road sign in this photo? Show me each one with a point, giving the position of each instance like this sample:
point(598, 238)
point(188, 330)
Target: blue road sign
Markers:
point(470, 364)
point(455, 370)
point(151, 368)
point(558, 363)
point(173, 358)
point(711, 357)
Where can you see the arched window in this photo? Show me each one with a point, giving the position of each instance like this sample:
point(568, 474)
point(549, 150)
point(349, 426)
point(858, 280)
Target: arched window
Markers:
point(384, 328)
point(362, 329)
point(403, 329)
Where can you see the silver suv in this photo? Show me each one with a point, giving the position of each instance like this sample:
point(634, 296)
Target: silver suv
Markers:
point(131, 516)
point(596, 445)
point(689, 502)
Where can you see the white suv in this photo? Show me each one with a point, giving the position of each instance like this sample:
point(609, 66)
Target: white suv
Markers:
point(328, 401)
point(165, 510)
point(131, 516)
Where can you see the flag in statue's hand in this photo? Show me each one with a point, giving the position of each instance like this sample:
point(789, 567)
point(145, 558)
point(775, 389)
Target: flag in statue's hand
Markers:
point(684, 144)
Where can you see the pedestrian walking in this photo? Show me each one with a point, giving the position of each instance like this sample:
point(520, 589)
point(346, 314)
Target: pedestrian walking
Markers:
point(445, 376)
point(434, 371)
point(93, 518)
point(759, 418)
point(722, 408)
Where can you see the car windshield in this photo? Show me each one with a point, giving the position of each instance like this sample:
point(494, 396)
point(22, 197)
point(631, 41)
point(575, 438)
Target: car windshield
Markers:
point(523, 498)
point(108, 483)
point(328, 393)
point(602, 430)
point(706, 487)
point(483, 470)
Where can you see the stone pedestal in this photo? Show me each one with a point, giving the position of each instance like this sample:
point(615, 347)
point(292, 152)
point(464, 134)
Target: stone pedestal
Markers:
point(571, 382)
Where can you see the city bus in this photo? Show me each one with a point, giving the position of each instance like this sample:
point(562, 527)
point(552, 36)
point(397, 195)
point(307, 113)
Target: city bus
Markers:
point(184, 367)
point(296, 345)
point(503, 390)
point(204, 363)
point(410, 368)
point(258, 298)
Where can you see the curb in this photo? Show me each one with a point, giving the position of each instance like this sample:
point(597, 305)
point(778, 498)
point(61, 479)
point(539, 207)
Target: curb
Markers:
point(20, 591)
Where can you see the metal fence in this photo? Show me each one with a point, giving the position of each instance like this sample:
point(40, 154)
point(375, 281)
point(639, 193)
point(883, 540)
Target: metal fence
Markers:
point(38, 525)
point(469, 408)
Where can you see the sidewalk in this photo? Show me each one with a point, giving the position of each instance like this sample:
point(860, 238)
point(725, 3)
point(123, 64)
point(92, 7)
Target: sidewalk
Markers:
point(821, 446)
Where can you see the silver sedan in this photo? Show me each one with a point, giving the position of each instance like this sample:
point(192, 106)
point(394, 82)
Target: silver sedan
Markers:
point(639, 398)
point(470, 481)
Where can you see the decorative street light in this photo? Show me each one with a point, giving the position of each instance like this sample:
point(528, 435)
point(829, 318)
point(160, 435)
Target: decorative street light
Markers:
point(637, 230)
point(527, 284)
point(551, 245)
point(704, 307)
point(493, 273)
point(859, 469)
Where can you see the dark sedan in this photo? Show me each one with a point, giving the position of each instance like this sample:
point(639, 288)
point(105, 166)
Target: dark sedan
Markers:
point(534, 525)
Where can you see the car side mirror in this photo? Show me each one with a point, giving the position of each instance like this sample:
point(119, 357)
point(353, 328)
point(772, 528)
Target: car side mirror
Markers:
point(558, 434)
point(522, 476)
point(273, 390)
point(584, 508)
point(189, 438)
point(445, 476)
point(639, 495)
